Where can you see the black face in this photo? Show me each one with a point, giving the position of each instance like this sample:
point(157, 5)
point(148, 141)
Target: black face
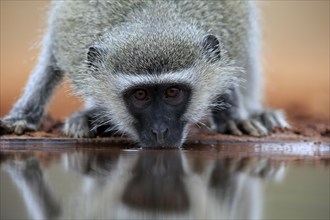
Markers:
point(158, 111)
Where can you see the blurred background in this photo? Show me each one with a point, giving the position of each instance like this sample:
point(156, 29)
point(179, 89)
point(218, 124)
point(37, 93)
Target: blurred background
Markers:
point(295, 55)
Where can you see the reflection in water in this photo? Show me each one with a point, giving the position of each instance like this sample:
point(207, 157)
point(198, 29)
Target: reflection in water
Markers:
point(28, 176)
point(157, 184)
point(146, 184)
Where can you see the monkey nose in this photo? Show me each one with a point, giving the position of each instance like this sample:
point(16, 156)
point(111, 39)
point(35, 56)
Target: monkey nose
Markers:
point(160, 134)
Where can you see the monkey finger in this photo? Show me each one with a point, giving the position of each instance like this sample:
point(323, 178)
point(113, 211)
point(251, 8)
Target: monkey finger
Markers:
point(20, 127)
point(233, 129)
point(262, 130)
point(268, 120)
point(5, 127)
point(272, 119)
point(248, 128)
point(279, 117)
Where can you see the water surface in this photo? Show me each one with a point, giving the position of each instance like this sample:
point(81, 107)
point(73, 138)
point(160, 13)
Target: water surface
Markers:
point(229, 181)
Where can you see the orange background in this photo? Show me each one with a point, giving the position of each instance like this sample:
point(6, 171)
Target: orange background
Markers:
point(295, 54)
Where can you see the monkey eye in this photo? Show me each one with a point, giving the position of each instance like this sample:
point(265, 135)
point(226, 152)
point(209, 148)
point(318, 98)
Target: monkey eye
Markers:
point(172, 92)
point(140, 94)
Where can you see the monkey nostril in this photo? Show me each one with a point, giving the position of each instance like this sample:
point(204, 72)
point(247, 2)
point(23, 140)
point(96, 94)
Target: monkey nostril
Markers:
point(160, 134)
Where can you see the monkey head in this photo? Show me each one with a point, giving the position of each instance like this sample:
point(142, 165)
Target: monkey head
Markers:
point(151, 86)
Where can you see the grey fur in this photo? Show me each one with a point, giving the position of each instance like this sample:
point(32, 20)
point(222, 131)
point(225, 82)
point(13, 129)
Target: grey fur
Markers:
point(143, 42)
point(29, 109)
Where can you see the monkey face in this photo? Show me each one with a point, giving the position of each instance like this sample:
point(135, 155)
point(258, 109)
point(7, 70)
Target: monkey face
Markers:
point(158, 113)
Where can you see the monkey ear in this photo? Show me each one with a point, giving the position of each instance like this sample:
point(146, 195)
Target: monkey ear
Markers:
point(95, 55)
point(211, 46)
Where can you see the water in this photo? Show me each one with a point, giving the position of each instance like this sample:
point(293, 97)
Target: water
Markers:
point(229, 181)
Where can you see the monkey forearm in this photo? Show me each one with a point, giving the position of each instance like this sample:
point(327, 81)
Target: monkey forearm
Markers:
point(39, 90)
point(29, 109)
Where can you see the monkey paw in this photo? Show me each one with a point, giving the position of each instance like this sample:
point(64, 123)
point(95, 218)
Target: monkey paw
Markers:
point(248, 126)
point(273, 118)
point(10, 125)
point(258, 125)
point(78, 126)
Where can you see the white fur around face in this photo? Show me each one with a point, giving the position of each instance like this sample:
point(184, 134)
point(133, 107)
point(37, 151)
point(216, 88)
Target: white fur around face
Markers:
point(206, 83)
point(206, 80)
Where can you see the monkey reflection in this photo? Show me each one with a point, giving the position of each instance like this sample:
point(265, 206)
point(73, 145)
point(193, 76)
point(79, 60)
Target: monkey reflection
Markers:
point(152, 184)
point(37, 196)
point(157, 183)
